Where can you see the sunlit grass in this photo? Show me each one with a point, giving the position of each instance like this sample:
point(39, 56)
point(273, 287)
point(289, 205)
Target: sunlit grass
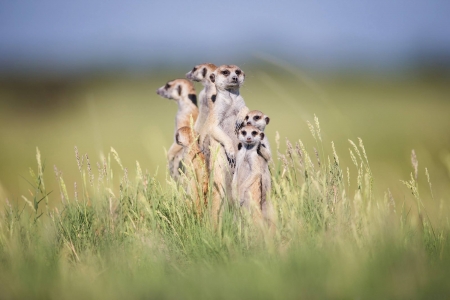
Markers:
point(122, 233)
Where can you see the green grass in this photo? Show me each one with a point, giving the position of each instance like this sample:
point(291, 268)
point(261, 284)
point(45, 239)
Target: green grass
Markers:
point(332, 237)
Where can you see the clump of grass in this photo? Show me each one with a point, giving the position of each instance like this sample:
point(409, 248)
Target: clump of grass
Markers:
point(331, 236)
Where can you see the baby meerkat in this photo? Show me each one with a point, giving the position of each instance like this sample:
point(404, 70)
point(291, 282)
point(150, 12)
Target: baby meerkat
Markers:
point(200, 73)
point(227, 113)
point(251, 180)
point(259, 120)
point(183, 92)
point(195, 167)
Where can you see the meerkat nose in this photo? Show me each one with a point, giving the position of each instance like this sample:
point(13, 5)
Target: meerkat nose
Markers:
point(234, 78)
point(248, 123)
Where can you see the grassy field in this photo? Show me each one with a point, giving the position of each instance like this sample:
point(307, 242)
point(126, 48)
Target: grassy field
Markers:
point(349, 229)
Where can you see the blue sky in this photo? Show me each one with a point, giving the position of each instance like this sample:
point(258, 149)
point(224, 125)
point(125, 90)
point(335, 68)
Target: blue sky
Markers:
point(78, 34)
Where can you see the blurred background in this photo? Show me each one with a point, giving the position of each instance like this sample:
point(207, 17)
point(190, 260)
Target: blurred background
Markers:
point(84, 73)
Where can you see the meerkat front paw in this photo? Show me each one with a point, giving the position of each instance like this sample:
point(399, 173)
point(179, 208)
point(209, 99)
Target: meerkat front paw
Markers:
point(229, 151)
point(240, 119)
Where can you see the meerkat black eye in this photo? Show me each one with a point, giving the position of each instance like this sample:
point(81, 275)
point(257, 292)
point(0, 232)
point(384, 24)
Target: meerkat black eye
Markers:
point(204, 72)
point(244, 133)
point(246, 117)
point(238, 72)
point(194, 69)
point(167, 86)
point(256, 118)
point(225, 72)
point(254, 133)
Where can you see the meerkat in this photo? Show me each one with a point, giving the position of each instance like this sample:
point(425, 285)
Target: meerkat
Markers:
point(183, 92)
point(227, 114)
point(200, 73)
point(195, 167)
point(207, 96)
point(251, 180)
point(259, 120)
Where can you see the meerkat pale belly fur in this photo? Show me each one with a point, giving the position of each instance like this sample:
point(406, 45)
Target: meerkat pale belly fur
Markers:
point(259, 120)
point(183, 92)
point(251, 180)
point(196, 179)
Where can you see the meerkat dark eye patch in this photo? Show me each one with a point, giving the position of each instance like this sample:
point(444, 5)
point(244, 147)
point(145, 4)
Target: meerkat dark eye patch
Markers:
point(246, 117)
point(194, 69)
point(225, 73)
point(254, 133)
point(262, 136)
point(212, 77)
point(267, 120)
point(179, 89)
point(204, 72)
point(244, 133)
point(238, 72)
point(256, 118)
point(167, 86)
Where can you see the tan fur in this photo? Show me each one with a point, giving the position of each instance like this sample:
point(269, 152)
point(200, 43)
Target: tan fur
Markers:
point(227, 114)
point(195, 168)
point(187, 109)
point(251, 180)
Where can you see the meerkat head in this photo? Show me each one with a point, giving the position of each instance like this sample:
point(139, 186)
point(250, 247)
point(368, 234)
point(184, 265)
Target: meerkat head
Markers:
point(250, 135)
point(178, 89)
point(228, 77)
point(257, 119)
point(201, 73)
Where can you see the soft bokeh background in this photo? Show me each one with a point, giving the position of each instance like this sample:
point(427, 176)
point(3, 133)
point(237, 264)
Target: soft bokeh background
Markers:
point(84, 73)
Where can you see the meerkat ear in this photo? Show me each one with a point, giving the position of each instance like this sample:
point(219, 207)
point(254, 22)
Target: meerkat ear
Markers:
point(179, 89)
point(213, 78)
point(267, 120)
point(177, 138)
point(262, 135)
point(239, 146)
point(204, 72)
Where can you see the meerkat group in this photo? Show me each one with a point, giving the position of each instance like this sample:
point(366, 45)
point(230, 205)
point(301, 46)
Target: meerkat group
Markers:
point(226, 147)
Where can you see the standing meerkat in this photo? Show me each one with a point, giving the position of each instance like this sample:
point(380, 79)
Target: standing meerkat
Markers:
point(259, 120)
point(200, 73)
point(227, 114)
point(251, 180)
point(183, 92)
point(207, 96)
point(195, 167)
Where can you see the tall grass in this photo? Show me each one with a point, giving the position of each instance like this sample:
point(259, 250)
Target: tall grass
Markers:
point(124, 237)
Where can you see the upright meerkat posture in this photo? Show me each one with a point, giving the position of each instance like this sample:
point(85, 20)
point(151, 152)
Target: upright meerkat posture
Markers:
point(195, 167)
point(227, 114)
point(201, 73)
point(183, 92)
point(251, 180)
point(259, 120)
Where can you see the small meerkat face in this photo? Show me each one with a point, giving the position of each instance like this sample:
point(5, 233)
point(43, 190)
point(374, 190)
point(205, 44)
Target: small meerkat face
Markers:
point(177, 89)
point(250, 135)
point(228, 77)
point(201, 72)
point(257, 119)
